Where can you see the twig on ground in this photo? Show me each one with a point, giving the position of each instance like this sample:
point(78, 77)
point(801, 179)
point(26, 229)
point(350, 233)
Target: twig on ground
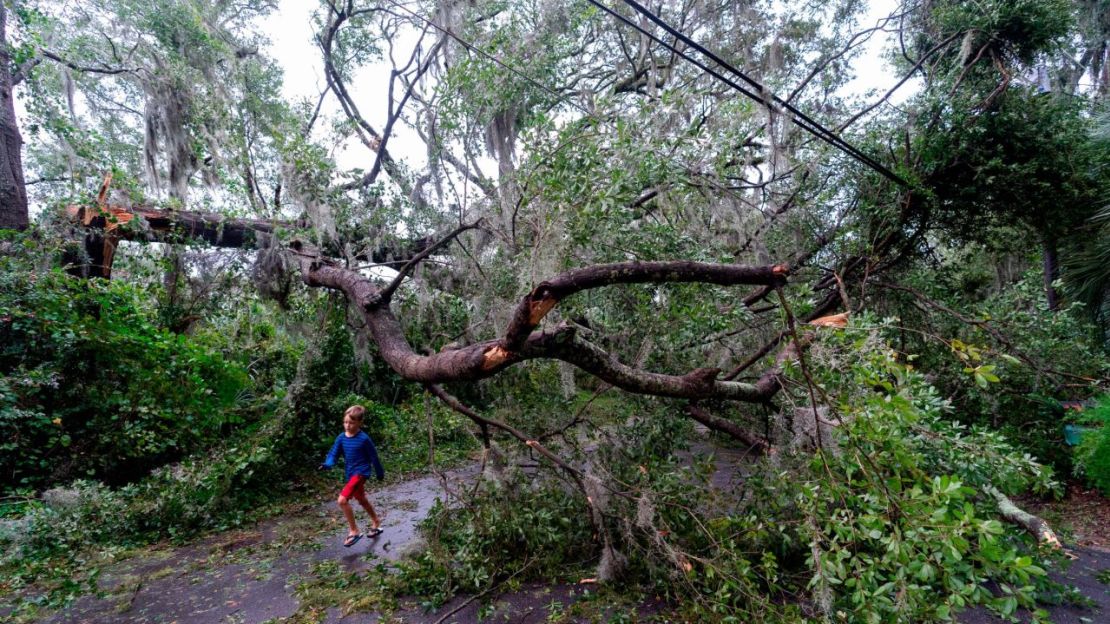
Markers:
point(462, 605)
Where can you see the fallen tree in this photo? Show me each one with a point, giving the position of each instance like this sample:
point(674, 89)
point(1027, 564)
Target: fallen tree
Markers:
point(107, 225)
point(526, 337)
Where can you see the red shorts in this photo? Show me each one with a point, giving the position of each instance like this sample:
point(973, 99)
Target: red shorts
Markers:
point(354, 489)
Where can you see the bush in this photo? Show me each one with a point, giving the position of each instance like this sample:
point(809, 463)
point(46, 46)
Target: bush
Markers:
point(1092, 456)
point(991, 384)
point(91, 387)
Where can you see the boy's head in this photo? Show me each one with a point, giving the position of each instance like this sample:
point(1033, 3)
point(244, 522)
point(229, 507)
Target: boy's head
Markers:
point(352, 419)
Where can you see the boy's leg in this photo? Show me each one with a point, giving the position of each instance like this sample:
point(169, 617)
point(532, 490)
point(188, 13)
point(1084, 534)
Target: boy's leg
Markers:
point(349, 514)
point(360, 496)
point(354, 485)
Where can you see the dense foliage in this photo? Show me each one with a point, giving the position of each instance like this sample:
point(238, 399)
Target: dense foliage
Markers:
point(891, 520)
point(92, 387)
point(195, 389)
point(1093, 455)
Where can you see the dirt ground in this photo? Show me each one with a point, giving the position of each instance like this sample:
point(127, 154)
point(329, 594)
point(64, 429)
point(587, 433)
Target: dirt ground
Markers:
point(1082, 516)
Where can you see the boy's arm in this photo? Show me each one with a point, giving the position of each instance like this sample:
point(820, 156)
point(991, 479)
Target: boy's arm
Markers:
point(332, 454)
point(374, 461)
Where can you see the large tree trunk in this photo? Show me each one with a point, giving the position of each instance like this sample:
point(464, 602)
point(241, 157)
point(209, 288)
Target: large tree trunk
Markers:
point(177, 226)
point(13, 192)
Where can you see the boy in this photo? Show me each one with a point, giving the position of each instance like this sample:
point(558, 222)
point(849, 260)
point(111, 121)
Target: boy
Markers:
point(359, 455)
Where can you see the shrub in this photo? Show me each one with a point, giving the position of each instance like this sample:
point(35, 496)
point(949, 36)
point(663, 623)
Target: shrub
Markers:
point(1092, 456)
point(991, 384)
point(91, 387)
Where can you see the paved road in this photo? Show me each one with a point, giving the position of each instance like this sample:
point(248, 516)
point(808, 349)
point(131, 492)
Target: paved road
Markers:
point(249, 576)
point(1083, 574)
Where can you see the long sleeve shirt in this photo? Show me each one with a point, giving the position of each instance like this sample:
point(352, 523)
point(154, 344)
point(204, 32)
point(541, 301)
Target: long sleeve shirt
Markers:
point(359, 455)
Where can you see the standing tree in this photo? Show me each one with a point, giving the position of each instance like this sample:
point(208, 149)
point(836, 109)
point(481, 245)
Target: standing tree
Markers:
point(995, 145)
point(13, 192)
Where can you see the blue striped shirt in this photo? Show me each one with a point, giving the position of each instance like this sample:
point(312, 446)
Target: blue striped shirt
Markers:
point(359, 454)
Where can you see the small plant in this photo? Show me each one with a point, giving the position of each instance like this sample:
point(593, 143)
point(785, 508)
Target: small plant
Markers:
point(1092, 456)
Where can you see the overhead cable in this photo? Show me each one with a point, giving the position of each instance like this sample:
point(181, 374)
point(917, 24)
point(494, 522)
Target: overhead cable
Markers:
point(763, 96)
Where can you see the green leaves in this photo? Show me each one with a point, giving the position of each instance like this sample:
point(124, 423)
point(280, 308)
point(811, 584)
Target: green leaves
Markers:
point(1092, 457)
point(983, 375)
point(111, 392)
point(1021, 28)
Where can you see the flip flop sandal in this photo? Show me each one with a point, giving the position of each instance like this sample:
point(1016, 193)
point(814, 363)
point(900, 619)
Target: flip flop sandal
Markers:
point(374, 532)
point(352, 540)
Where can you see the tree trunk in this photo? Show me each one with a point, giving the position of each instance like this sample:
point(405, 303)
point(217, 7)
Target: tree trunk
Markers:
point(13, 192)
point(178, 226)
point(1051, 272)
point(108, 226)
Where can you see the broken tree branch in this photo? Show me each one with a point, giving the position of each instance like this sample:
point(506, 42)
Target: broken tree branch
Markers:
point(1033, 524)
point(485, 359)
point(105, 231)
point(387, 293)
point(457, 405)
point(723, 425)
point(547, 294)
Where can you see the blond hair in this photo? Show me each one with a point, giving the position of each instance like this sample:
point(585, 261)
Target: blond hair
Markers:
point(355, 412)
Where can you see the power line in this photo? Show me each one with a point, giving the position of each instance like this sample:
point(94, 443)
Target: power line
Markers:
point(799, 118)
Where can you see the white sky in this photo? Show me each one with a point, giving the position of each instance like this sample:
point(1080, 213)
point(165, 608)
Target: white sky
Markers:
point(871, 70)
point(293, 46)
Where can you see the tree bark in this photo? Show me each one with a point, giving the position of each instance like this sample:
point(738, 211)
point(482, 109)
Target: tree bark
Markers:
point(178, 226)
point(111, 224)
point(544, 297)
point(1035, 525)
point(13, 191)
point(1051, 272)
point(174, 225)
point(520, 343)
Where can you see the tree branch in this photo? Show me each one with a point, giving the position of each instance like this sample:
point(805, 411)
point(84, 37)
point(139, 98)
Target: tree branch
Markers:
point(88, 69)
point(909, 74)
point(485, 359)
point(457, 405)
point(723, 425)
point(387, 293)
point(395, 113)
point(536, 304)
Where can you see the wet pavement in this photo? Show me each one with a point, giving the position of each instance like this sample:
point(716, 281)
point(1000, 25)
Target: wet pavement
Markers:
point(1083, 573)
point(250, 576)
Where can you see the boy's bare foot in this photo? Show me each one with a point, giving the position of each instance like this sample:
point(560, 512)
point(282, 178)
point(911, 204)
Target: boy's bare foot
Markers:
point(374, 532)
point(352, 539)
